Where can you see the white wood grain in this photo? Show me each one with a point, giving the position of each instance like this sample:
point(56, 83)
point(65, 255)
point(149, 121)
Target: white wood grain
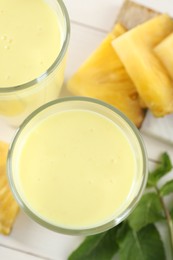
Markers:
point(29, 236)
point(99, 14)
point(6, 132)
point(91, 20)
point(83, 42)
point(159, 127)
point(156, 145)
point(163, 6)
point(11, 254)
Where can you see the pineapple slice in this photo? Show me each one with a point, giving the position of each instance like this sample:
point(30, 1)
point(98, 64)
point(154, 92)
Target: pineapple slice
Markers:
point(165, 53)
point(135, 49)
point(8, 206)
point(103, 77)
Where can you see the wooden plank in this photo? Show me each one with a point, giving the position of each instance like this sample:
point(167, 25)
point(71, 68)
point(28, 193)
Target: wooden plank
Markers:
point(133, 14)
point(92, 19)
point(31, 237)
point(7, 253)
point(101, 14)
point(160, 127)
point(6, 132)
point(98, 14)
point(83, 42)
point(158, 5)
point(156, 145)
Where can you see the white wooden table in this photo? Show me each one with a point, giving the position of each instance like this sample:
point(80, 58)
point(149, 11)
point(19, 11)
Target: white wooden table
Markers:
point(90, 22)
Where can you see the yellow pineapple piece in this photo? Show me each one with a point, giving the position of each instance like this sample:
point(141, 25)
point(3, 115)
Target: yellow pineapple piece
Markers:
point(8, 206)
point(135, 49)
point(164, 51)
point(103, 77)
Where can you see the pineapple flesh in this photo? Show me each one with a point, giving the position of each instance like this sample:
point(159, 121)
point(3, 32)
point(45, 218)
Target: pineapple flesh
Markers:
point(8, 206)
point(135, 49)
point(164, 51)
point(104, 77)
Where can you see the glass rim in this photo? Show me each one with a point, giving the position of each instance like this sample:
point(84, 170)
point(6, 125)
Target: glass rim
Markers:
point(90, 230)
point(57, 61)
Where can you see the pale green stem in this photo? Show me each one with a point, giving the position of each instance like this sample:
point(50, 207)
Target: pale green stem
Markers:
point(168, 219)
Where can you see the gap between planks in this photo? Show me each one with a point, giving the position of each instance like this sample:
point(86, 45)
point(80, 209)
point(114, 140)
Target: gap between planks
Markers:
point(25, 252)
point(97, 29)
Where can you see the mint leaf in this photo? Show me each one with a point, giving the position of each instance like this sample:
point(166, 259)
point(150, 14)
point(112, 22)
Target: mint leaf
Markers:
point(167, 188)
point(148, 210)
point(122, 231)
point(142, 245)
point(163, 169)
point(98, 247)
point(171, 214)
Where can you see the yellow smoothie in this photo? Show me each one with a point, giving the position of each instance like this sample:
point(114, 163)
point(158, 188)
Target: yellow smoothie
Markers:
point(31, 38)
point(76, 169)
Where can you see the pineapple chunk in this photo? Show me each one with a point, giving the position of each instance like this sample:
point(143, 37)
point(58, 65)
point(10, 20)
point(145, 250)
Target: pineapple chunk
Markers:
point(8, 206)
point(103, 77)
point(165, 53)
point(135, 49)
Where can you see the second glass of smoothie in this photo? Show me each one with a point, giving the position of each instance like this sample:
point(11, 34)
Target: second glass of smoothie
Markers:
point(77, 166)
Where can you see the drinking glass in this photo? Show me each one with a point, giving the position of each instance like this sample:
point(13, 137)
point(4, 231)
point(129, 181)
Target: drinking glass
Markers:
point(17, 102)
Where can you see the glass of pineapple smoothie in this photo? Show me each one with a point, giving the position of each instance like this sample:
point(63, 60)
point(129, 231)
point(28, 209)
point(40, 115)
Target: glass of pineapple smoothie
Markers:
point(77, 166)
point(34, 37)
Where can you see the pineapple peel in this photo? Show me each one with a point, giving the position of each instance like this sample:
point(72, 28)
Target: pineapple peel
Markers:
point(104, 77)
point(8, 206)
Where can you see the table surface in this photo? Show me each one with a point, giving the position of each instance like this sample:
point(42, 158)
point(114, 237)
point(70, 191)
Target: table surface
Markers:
point(90, 22)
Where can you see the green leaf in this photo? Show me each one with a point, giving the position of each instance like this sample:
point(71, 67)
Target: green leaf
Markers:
point(148, 210)
point(122, 231)
point(142, 245)
point(171, 213)
point(167, 188)
point(98, 247)
point(163, 169)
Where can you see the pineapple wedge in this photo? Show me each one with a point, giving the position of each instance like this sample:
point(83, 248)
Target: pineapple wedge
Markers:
point(8, 206)
point(103, 77)
point(165, 53)
point(135, 49)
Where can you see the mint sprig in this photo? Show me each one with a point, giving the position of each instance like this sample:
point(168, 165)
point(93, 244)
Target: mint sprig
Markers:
point(167, 188)
point(102, 246)
point(148, 211)
point(164, 168)
point(137, 237)
point(144, 245)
